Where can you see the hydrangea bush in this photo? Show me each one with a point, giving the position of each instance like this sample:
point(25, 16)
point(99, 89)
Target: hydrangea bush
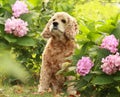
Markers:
point(98, 69)
point(20, 32)
point(16, 25)
point(110, 64)
point(99, 46)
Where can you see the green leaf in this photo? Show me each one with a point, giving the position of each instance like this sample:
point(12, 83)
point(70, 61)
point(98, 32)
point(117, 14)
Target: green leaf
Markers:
point(26, 41)
point(7, 7)
point(91, 26)
point(70, 73)
point(102, 80)
point(3, 46)
point(11, 1)
point(106, 28)
point(116, 31)
point(101, 53)
point(83, 49)
point(84, 29)
point(27, 17)
point(88, 77)
point(10, 38)
point(8, 2)
point(2, 20)
point(95, 37)
point(81, 83)
point(113, 92)
point(1, 28)
point(116, 77)
point(4, 12)
point(82, 38)
point(35, 2)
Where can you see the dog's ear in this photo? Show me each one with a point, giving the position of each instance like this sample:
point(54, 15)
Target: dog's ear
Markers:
point(72, 28)
point(46, 32)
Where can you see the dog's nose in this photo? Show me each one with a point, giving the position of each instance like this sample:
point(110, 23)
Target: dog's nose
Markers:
point(55, 23)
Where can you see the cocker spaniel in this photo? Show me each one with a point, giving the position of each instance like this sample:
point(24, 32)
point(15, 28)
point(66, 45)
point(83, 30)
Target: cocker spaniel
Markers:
point(60, 31)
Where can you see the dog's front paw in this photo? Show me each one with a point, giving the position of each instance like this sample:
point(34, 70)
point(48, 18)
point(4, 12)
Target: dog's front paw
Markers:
point(42, 91)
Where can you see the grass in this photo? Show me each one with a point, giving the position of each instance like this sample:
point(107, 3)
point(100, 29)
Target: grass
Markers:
point(20, 91)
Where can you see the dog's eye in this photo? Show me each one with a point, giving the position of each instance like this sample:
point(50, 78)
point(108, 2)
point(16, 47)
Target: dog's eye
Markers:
point(54, 19)
point(64, 21)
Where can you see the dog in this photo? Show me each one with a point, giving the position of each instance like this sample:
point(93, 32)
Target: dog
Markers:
point(60, 31)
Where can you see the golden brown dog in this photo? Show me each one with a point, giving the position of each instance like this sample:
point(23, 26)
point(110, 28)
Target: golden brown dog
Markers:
point(60, 31)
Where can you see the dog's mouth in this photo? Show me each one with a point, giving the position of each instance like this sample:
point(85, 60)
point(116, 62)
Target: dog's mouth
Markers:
point(55, 28)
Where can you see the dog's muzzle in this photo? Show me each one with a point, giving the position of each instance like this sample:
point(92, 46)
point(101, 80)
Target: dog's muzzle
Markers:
point(55, 25)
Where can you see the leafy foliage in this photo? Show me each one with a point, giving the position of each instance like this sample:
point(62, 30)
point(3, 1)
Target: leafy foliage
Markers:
point(95, 23)
point(28, 49)
point(96, 19)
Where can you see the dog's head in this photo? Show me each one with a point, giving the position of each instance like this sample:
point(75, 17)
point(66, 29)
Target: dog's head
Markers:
point(61, 24)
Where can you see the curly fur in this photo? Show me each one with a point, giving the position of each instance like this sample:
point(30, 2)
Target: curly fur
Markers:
point(60, 45)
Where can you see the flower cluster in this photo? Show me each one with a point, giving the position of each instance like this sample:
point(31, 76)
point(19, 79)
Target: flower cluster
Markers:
point(84, 65)
point(111, 64)
point(16, 26)
point(19, 8)
point(110, 43)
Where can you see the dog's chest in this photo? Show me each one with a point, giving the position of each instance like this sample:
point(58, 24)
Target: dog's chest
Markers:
point(58, 48)
point(56, 51)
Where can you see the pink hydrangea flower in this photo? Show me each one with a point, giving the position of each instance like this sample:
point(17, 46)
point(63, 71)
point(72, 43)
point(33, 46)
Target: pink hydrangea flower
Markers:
point(19, 8)
point(110, 43)
point(16, 26)
point(84, 65)
point(111, 64)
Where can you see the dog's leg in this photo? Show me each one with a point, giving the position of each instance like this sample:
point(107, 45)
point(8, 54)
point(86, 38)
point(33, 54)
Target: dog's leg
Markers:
point(45, 77)
point(57, 84)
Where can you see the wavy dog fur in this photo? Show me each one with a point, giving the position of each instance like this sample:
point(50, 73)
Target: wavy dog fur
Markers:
point(60, 32)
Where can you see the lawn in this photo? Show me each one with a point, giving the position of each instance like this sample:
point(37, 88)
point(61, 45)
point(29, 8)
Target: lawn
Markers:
point(20, 91)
